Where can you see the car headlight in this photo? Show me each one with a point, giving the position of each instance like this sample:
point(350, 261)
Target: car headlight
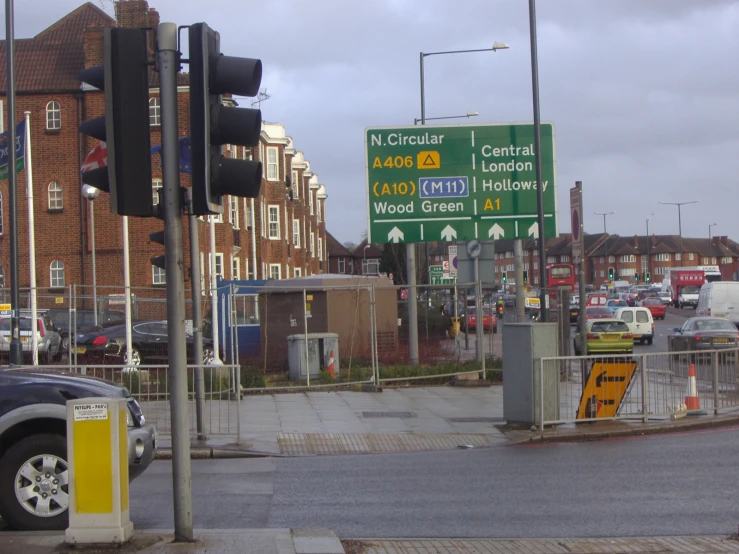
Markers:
point(129, 419)
point(134, 415)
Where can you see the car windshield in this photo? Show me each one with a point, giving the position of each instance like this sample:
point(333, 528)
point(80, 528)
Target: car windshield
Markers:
point(610, 327)
point(691, 290)
point(24, 324)
point(714, 325)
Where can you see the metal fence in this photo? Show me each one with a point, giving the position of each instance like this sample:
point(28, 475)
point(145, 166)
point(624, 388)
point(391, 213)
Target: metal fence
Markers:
point(659, 386)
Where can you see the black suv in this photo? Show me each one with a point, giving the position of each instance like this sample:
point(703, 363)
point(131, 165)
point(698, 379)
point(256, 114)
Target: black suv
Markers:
point(34, 475)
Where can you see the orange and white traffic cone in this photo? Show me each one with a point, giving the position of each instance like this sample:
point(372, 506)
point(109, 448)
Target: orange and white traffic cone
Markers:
point(330, 368)
point(691, 400)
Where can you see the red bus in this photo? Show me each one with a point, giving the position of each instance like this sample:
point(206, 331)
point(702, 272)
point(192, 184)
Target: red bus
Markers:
point(561, 276)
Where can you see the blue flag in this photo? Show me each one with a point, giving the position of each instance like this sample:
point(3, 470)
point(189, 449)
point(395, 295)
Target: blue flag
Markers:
point(185, 154)
point(20, 150)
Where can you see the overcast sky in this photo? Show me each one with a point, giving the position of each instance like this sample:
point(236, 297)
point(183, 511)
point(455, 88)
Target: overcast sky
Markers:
point(643, 94)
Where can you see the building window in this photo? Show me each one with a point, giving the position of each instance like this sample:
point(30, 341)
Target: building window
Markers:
point(57, 274)
point(664, 257)
point(158, 276)
point(274, 222)
point(627, 272)
point(248, 215)
point(155, 112)
point(691, 256)
point(713, 261)
point(602, 274)
point(296, 233)
point(342, 265)
point(53, 116)
point(602, 260)
point(726, 260)
point(274, 271)
point(320, 248)
point(536, 265)
point(296, 187)
point(611, 259)
point(56, 200)
point(312, 243)
point(262, 218)
point(156, 186)
point(628, 258)
point(310, 200)
point(2, 221)
point(246, 268)
point(318, 210)
point(551, 260)
point(564, 258)
point(678, 257)
point(273, 173)
point(235, 268)
point(371, 267)
point(298, 272)
point(233, 204)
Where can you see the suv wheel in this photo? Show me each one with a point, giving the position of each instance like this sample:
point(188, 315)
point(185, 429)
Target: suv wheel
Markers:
point(34, 480)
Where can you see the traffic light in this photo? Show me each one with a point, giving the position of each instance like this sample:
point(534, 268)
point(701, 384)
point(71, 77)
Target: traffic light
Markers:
point(611, 272)
point(647, 277)
point(158, 237)
point(504, 278)
point(124, 78)
point(636, 276)
point(525, 275)
point(213, 125)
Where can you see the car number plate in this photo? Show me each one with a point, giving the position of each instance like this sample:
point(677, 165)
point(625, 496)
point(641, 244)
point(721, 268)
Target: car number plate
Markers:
point(80, 350)
point(721, 340)
point(610, 337)
point(24, 339)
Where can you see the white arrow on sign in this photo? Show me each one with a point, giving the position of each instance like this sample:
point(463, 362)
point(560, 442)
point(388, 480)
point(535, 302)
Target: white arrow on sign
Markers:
point(534, 230)
point(448, 233)
point(395, 235)
point(496, 231)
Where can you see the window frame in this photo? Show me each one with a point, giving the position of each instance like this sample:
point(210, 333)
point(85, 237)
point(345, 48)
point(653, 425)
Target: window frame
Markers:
point(273, 223)
point(156, 185)
point(158, 276)
point(53, 116)
point(278, 267)
point(58, 196)
point(296, 233)
point(57, 274)
point(155, 112)
point(273, 167)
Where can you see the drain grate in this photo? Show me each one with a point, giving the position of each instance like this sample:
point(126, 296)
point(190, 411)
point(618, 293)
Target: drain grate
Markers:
point(388, 414)
point(475, 419)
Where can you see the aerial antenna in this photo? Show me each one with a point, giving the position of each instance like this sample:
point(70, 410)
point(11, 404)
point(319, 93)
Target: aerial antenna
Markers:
point(261, 97)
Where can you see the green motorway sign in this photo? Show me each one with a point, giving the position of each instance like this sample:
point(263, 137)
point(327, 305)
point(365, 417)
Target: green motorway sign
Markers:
point(461, 182)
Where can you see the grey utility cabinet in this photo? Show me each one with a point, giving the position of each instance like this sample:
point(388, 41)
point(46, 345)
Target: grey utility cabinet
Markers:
point(321, 348)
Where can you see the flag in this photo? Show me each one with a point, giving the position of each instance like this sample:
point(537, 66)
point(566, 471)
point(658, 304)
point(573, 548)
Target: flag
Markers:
point(20, 150)
point(98, 157)
point(185, 154)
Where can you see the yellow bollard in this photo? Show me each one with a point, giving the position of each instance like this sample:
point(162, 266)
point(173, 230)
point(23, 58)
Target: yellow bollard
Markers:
point(97, 446)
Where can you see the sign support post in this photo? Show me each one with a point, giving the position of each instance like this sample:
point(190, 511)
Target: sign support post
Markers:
point(410, 262)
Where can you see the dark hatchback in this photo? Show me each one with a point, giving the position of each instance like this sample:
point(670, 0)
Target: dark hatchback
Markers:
point(107, 344)
point(63, 318)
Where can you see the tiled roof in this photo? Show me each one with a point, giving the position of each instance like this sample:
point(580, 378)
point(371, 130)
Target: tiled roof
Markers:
point(52, 60)
point(334, 247)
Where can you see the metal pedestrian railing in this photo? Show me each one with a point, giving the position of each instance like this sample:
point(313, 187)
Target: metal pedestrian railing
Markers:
point(642, 386)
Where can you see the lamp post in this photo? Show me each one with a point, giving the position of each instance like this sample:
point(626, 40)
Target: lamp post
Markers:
point(648, 260)
point(679, 220)
point(410, 253)
point(709, 232)
point(91, 193)
point(364, 259)
point(468, 115)
point(605, 242)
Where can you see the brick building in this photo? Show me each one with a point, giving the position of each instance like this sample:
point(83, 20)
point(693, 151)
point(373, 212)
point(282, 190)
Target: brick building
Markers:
point(279, 234)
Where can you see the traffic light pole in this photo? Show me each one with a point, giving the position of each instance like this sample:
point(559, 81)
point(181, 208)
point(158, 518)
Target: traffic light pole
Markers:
point(168, 59)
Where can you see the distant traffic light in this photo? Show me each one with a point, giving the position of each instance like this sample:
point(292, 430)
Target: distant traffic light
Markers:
point(212, 124)
point(647, 277)
point(611, 272)
point(158, 261)
point(504, 277)
point(525, 275)
point(124, 78)
point(636, 276)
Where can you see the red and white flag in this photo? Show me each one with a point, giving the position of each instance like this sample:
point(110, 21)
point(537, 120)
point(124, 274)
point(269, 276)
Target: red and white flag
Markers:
point(98, 157)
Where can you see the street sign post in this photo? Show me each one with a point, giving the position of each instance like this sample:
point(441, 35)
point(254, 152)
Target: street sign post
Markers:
point(454, 183)
point(577, 223)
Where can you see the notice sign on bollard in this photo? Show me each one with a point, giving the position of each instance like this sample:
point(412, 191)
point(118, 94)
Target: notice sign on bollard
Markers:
point(97, 449)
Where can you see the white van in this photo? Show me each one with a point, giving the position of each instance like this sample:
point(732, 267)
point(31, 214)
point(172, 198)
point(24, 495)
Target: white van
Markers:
point(719, 299)
point(640, 322)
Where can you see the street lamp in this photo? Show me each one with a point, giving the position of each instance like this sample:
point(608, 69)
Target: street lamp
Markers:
point(496, 46)
point(648, 260)
point(605, 241)
point(679, 220)
point(709, 232)
point(468, 115)
point(91, 193)
point(364, 259)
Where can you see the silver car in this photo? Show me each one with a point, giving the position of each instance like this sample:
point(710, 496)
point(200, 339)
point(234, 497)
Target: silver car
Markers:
point(49, 340)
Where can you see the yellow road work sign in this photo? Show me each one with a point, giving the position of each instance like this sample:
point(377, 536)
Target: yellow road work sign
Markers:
point(605, 388)
point(429, 159)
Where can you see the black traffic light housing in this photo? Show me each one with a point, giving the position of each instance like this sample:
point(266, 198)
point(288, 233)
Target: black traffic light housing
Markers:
point(124, 78)
point(636, 276)
point(212, 124)
point(647, 277)
point(504, 278)
point(611, 273)
point(158, 237)
point(525, 275)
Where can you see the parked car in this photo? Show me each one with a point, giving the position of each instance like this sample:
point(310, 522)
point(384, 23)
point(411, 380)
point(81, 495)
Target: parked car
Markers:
point(84, 319)
point(640, 322)
point(655, 305)
point(107, 344)
point(33, 444)
point(606, 336)
point(489, 320)
point(703, 333)
point(48, 338)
